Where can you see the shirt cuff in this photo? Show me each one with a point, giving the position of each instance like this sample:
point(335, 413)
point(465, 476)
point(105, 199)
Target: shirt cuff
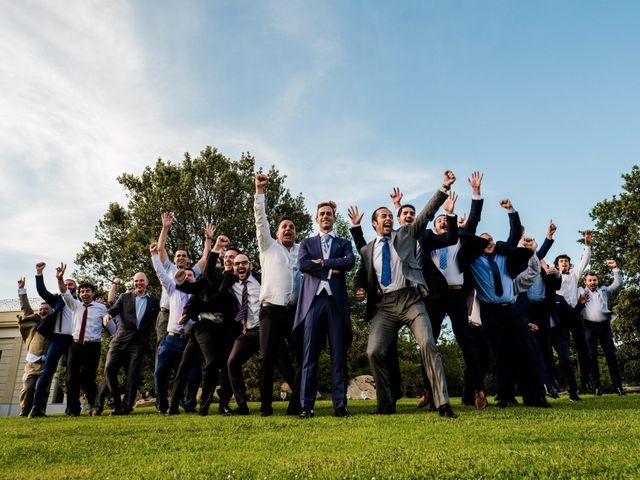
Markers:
point(22, 291)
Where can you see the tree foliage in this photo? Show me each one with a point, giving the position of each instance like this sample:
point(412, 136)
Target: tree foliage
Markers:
point(617, 236)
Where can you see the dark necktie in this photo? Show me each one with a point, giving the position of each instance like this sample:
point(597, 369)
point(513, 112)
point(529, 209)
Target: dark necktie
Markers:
point(83, 325)
point(495, 272)
point(244, 305)
point(385, 275)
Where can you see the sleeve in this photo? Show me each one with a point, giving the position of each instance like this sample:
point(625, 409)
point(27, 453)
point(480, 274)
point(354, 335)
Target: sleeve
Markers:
point(345, 261)
point(427, 213)
point(263, 233)
point(515, 229)
point(358, 236)
point(309, 267)
point(116, 309)
point(24, 304)
point(45, 294)
point(167, 282)
point(544, 249)
point(527, 278)
point(617, 282)
point(584, 262)
point(69, 301)
point(474, 216)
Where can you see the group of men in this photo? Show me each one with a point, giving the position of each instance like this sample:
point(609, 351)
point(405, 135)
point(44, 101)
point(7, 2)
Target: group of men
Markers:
point(213, 317)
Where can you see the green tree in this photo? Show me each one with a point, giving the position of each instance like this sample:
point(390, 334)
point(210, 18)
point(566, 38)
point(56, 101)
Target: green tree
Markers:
point(617, 236)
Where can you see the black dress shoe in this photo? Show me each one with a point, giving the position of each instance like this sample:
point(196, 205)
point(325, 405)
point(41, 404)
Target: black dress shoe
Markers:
point(551, 392)
point(620, 391)
point(446, 411)
point(539, 403)
point(294, 408)
point(225, 410)
point(169, 413)
point(597, 391)
point(341, 412)
point(305, 413)
point(390, 410)
point(574, 397)
point(241, 410)
point(37, 412)
point(502, 404)
point(266, 412)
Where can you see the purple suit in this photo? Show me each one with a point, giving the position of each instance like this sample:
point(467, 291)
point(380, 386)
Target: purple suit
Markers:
point(323, 314)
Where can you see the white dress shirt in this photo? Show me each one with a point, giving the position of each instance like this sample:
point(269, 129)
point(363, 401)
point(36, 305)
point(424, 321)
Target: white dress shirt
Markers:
point(280, 270)
point(95, 312)
point(171, 269)
point(397, 278)
point(177, 299)
point(253, 311)
point(569, 286)
point(452, 273)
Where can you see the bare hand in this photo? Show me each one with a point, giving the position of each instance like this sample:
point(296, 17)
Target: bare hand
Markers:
point(261, 182)
point(448, 178)
point(450, 203)
point(153, 248)
point(396, 197)
point(21, 282)
point(583, 298)
point(530, 243)
point(532, 327)
point(612, 264)
point(475, 181)
point(588, 237)
point(551, 270)
point(222, 242)
point(361, 294)
point(462, 221)
point(317, 261)
point(116, 281)
point(354, 215)
point(551, 229)
point(506, 204)
point(167, 220)
point(40, 266)
point(60, 271)
point(181, 275)
point(209, 231)
point(183, 319)
point(106, 319)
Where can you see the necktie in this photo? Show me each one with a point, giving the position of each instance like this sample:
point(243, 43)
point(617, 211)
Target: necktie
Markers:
point(83, 325)
point(244, 305)
point(385, 276)
point(443, 258)
point(325, 245)
point(419, 253)
point(495, 272)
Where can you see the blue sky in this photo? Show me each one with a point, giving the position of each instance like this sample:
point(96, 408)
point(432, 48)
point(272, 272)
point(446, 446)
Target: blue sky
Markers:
point(347, 98)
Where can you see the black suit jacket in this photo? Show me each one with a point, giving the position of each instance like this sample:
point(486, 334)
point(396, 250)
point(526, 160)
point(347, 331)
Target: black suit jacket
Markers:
point(125, 306)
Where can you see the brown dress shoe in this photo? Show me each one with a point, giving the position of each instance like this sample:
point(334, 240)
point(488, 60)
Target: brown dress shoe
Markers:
point(480, 400)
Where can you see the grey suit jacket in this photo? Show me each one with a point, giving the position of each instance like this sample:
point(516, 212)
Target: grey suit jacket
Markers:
point(404, 243)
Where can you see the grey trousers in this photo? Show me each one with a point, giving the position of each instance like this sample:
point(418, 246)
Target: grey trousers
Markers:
point(394, 310)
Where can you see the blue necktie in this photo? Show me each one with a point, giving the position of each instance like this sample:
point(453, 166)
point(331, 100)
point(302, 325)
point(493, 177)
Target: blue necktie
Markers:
point(385, 276)
point(443, 258)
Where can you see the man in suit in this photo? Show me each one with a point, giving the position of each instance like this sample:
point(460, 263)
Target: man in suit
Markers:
point(323, 308)
point(391, 279)
point(138, 311)
point(35, 344)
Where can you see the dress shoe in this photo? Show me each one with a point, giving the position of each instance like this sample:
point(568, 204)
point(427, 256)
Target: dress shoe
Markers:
point(169, 413)
point(225, 410)
point(37, 412)
point(538, 402)
point(480, 400)
point(551, 392)
point(293, 410)
point(95, 412)
point(574, 397)
point(597, 391)
point(502, 404)
point(190, 410)
point(423, 401)
point(266, 411)
point(620, 391)
point(122, 413)
point(390, 410)
point(341, 412)
point(446, 411)
point(241, 410)
point(305, 413)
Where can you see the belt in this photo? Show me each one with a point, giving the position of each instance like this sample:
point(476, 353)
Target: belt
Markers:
point(455, 287)
point(177, 335)
point(163, 309)
point(596, 324)
point(273, 305)
point(86, 341)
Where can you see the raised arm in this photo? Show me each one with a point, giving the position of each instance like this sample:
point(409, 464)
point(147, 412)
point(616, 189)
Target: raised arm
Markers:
point(515, 227)
point(263, 233)
point(548, 241)
point(430, 209)
point(527, 278)
point(209, 232)
point(167, 282)
point(24, 300)
point(45, 294)
point(586, 254)
point(111, 296)
point(162, 238)
point(617, 277)
point(475, 213)
point(356, 229)
point(66, 295)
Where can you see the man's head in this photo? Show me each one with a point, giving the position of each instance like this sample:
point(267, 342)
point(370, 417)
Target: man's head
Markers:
point(441, 224)
point(406, 214)
point(44, 310)
point(286, 232)
point(229, 255)
point(382, 221)
point(71, 285)
point(591, 281)
point(491, 247)
point(190, 275)
point(140, 283)
point(181, 258)
point(562, 263)
point(242, 266)
point(86, 292)
point(326, 216)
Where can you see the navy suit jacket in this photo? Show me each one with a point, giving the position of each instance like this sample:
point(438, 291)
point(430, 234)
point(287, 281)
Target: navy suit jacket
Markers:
point(340, 258)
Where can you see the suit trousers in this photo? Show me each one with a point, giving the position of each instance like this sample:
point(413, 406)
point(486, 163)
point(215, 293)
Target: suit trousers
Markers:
point(576, 327)
point(168, 357)
point(601, 332)
point(278, 345)
point(129, 356)
point(323, 318)
point(244, 347)
point(30, 376)
point(394, 310)
point(454, 304)
point(560, 343)
point(539, 314)
point(58, 346)
point(162, 322)
point(82, 366)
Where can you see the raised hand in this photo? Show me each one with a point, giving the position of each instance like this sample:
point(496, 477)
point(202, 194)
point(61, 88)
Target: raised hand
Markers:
point(153, 248)
point(40, 266)
point(116, 281)
point(167, 220)
point(60, 271)
point(448, 179)
point(209, 231)
point(462, 221)
point(360, 294)
point(612, 264)
point(530, 243)
point(181, 275)
point(355, 216)
point(450, 203)
point(551, 229)
point(21, 282)
point(506, 204)
point(475, 181)
point(106, 319)
point(588, 237)
point(222, 242)
point(261, 182)
point(396, 197)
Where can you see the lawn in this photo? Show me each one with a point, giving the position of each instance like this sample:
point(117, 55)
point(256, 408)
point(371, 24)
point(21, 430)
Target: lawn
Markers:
point(599, 437)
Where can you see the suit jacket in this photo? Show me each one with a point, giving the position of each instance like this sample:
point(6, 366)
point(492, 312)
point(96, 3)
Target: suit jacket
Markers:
point(125, 306)
point(27, 323)
point(404, 241)
point(340, 258)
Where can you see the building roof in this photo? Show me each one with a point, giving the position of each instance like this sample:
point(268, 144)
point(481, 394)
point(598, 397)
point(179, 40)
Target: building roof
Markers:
point(13, 304)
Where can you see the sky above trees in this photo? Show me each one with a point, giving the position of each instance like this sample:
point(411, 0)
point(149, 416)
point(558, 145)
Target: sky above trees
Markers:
point(348, 99)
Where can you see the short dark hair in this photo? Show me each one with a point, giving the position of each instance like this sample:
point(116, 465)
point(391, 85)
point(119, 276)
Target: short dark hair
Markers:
point(330, 203)
point(87, 285)
point(374, 215)
point(555, 262)
point(287, 218)
point(590, 273)
point(406, 205)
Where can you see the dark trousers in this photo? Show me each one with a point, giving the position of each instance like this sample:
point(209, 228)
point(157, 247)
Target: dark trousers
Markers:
point(454, 304)
point(539, 313)
point(323, 318)
point(130, 357)
point(278, 345)
point(560, 343)
point(162, 323)
point(82, 365)
point(601, 332)
point(210, 343)
point(58, 346)
point(168, 358)
point(244, 347)
point(508, 337)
